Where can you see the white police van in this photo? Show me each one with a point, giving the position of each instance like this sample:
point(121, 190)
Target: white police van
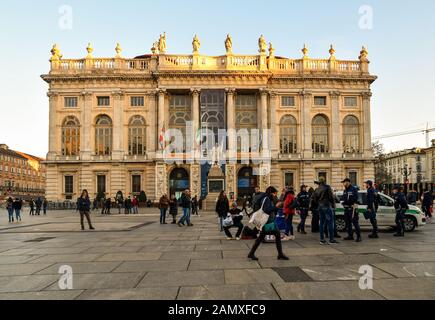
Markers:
point(386, 215)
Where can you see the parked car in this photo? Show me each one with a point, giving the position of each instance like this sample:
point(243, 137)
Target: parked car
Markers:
point(386, 214)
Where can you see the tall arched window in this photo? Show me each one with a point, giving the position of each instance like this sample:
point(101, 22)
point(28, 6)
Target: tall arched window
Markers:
point(137, 136)
point(288, 135)
point(103, 136)
point(71, 136)
point(320, 127)
point(351, 134)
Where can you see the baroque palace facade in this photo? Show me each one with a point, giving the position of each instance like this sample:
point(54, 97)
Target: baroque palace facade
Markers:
point(108, 115)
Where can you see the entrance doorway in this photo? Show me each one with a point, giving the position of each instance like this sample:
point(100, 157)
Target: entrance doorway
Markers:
point(246, 182)
point(179, 181)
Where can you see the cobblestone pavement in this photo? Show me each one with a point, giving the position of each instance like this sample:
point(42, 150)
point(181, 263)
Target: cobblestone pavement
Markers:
point(134, 257)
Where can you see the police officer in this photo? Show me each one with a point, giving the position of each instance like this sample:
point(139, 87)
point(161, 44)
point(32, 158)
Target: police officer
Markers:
point(371, 210)
point(351, 215)
point(401, 205)
point(303, 206)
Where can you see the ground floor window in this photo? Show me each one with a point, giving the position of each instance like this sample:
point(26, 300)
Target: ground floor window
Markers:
point(69, 187)
point(136, 184)
point(323, 174)
point(353, 176)
point(289, 179)
point(101, 184)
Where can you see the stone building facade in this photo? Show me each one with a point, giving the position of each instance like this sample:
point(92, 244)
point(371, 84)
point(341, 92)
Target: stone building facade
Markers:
point(21, 175)
point(108, 117)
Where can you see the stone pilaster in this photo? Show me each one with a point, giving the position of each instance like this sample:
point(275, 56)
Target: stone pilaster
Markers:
point(264, 177)
point(152, 132)
point(336, 136)
point(307, 148)
point(231, 178)
point(161, 107)
point(231, 124)
point(161, 181)
point(337, 175)
point(274, 124)
point(118, 126)
point(195, 180)
point(366, 97)
point(86, 179)
point(86, 144)
point(196, 94)
point(53, 190)
point(53, 135)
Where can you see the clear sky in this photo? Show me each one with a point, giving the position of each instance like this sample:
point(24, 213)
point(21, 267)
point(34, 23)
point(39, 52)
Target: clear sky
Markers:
point(401, 44)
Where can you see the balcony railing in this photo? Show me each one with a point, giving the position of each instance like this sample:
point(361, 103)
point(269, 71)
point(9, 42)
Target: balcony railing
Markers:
point(232, 62)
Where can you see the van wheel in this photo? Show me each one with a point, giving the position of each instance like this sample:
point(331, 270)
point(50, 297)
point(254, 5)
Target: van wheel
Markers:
point(410, 223)
point(341, 224)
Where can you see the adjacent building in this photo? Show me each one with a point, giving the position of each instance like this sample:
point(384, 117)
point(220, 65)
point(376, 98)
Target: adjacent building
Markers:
point(21, 175)
point(108, 118)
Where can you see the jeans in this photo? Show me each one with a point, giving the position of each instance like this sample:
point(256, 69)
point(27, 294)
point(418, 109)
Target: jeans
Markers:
point(11, 215)
point(135, 210)
point(289, 225)
point(163, 215)
point(186, 216)
point(238, 225)
point(304, 215)
point(326, 218)
point(400, 221)
point(351, 217)
point(221, 223)
point(18, 214)
point(315, 221)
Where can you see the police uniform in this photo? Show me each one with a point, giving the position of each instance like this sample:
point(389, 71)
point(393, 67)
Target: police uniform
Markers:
point(304, 204)
point(401, 205)
point(351, 215)
point(371, 210)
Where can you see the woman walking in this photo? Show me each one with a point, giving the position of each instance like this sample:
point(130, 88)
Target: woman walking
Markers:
point(290, 204)
point(266, 201)
point(84, 207)
point(222, 208)
point(173, 208)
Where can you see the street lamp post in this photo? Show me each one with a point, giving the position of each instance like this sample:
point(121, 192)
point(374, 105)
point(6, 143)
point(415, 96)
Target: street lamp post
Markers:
point(406, 173)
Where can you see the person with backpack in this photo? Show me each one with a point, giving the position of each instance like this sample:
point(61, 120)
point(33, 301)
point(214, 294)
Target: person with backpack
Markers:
point(84, 207)
point(401, 205)
point(303, 199)
point(290, 205)
point(222, 208)
point(10, 209)
point(237, 217)
point(324, 200)
point(266, 203)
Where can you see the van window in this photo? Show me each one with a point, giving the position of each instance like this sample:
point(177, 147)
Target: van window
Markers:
point(385, 202)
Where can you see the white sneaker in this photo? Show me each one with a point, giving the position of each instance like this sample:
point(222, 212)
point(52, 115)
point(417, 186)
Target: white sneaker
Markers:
point(285, 238)
point(238, 239)
point(229, 239)
point(292, 238)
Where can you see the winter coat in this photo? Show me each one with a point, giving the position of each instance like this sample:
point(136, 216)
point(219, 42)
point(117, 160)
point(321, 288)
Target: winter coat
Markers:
point(290, 204)
point(173, 207)
point(83, 205)
point(222, 207)
point(164, 203)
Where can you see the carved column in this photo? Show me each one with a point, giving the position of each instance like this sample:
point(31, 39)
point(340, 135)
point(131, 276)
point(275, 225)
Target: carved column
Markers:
point(86, 141)
point(274, 124)
point(195, 180)
point(231, 124)
point(161, 116)
point(307, 148)
point(161, 181)
point(368, 152)
point(53, 137)
point(152, 132)
point(118, 125)
point(196, 94)
point(231, 179)
point(336, 136)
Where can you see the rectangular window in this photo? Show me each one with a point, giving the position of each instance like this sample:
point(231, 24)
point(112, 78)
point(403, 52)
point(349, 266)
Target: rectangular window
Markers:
point(71, 102)
point(136, 184)
point(69, 185)
point(350, 101)
point(353, 176)
point(103, 101)
point(288, 101)
point(323, 175)
point(320, 101)
point(289, 178)
point(101, 184)
point(137, 101)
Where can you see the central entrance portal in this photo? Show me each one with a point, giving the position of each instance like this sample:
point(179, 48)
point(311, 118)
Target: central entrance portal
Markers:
point(246, 182)
point(179, 181)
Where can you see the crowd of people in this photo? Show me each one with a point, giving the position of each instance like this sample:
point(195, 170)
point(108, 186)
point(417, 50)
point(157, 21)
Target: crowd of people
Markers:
point(15, 206)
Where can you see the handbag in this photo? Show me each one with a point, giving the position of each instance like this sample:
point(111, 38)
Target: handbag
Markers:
point(228, 222)
point(270, 227)
point(259, 218)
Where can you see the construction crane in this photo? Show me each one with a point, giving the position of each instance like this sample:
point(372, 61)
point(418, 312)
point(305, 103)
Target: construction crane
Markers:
point(426, 132)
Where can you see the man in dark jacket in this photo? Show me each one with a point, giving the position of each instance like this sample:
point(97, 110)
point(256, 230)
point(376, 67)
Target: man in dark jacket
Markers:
point(351, 215)
point(371, 210)
point(325, 202)
point(427, 204)
point(303, 206)
point(17, 205)
point(186, 204)
point(401, 205)
point(38, 206)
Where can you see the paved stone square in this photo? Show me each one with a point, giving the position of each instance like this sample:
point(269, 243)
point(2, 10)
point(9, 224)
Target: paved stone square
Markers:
point(134, 257)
